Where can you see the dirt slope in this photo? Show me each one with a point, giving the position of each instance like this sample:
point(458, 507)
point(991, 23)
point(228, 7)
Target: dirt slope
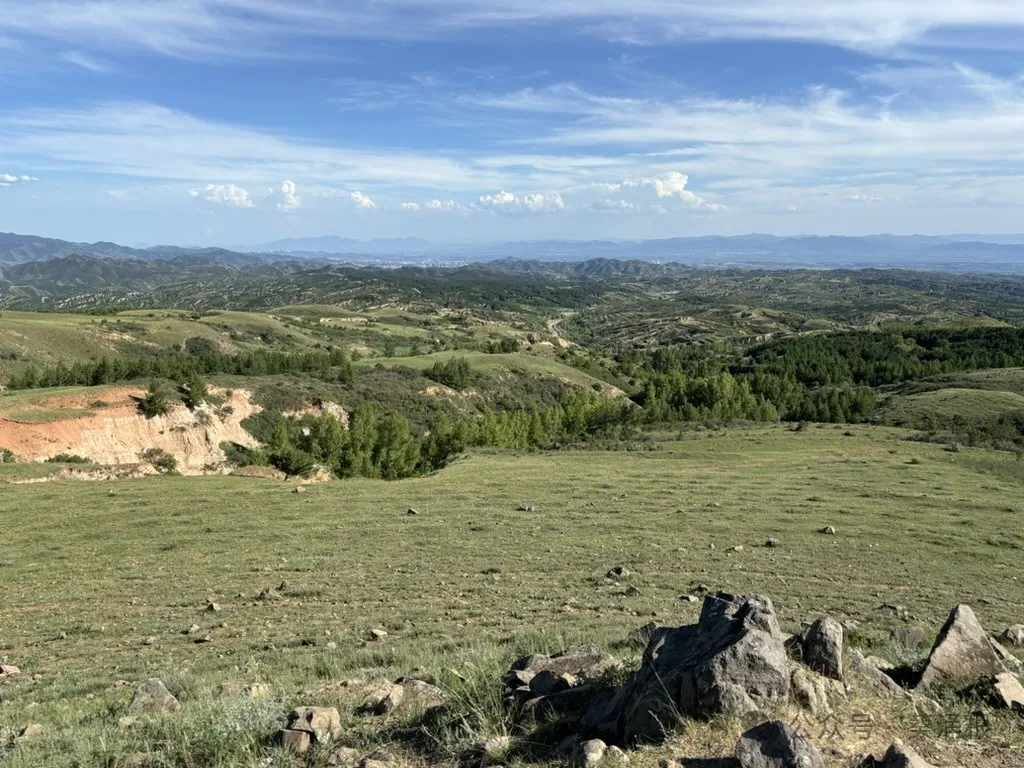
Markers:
point(118, 435)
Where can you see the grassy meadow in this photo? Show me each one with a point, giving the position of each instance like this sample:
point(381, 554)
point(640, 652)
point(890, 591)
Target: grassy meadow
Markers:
point(102, 581)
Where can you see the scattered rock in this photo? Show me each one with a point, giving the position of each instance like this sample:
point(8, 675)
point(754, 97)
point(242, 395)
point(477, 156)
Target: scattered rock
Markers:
point(410, 511)
point(633, 591)
point(1013, 636)
point(526, 508)
point(689, 598)
point(899, 755)
point(268, 594)
point(731, 662)
point(344, 757)
point(410, 694)
point(737, 548)
point(618, 572)
point(29, 732)
point(822, 645)
point(907, 637)
point(296, 742)
point(8, 670)
point(378, 634)
point(584, 663)
point(151, 698)
point(191, 630)
point(814, 692)
point(898, 611)
point(1008, 659)
point(213, 607)
point(1009, 693)
point(149, 640)
point(776, 745)
point(589, 753)
point(876, 680)
point(828, 530)
point(772, 543)
point(300, 489)
point(322, 723)
point(962, 654)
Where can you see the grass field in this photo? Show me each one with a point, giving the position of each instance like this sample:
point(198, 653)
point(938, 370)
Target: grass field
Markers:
point(90, 570)
point(949, 403)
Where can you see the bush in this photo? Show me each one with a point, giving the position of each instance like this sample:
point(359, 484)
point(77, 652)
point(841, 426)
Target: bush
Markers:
point(293, 462)
point(155, 402)
point(7, 456)
point(68, 458)
point(161, 460)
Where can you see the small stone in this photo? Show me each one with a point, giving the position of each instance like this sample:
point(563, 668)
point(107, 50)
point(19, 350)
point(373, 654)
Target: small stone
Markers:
point(633, 591)
point(412, 512)
point(300, 489)
point(207, 638)
point(296, 742)
point(772, 543)
point(29, 732)
point(496, 745)
point(268, 594)
point(322, 723)
point(152, 697)
point(618, 572)
point(689, 598)
point(62, 636)
point(828, 530)
point(149, 640)
point(8, 670)
point(344, 757)
point(378, 634)
point(331, 645)
point(590, 753)
point(212, 607)
point(1009, 692)
point(737, 548)
point(191, 630)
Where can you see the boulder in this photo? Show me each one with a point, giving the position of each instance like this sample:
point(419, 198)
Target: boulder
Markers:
point(8, 670)
point(585, 663)
point(776, 745)
point(547, 683)
point(152, 698)
point(410, 694)
point(822, 646)
point(874, 678)
point(1013, 636)
point(322, 723)
point(962, 654)
point(1009, 661)
point(730, 663)
point(345, 757)
point(814, 692)
point(899, 755)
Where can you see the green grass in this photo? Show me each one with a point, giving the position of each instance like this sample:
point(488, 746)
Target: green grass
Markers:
point(471, 582)
point(945, 404)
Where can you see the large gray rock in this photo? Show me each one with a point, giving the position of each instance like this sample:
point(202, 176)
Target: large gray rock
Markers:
point(962, 654)
point(730, 663)
point(822, 645)
point(900, 755)
point(776, 745)
point(152, 698)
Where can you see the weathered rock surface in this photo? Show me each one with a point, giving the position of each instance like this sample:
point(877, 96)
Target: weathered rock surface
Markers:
point(1013, 636)
point(899, 755)
point(584, 663)
point(814, 692)
point(907, 637)
point(1009, 692)
point(776, 745)
point(297, 742)
point(731, 662)
point(822, 646)
point(152, 698)
point(322, 723)
point(589, 754)
point(962, 653)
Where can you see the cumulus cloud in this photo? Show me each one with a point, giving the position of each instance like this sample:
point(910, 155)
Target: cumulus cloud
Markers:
point(442, 205)
point(673, 184)
point(613, 205)
point(533, 202)
point(859, 198)
point(409, 206)
point(290, 198)
point(362, 201)
point(9, 179)
point(224, 194)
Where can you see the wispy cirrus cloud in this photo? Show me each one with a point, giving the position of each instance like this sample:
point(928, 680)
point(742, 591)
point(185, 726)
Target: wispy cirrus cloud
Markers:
point(86, 61)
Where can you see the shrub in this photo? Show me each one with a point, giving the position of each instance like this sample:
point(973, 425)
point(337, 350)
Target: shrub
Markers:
point(293, 462)
point(194, 392)
point(155, 402)
point(161, 460)
point(455, 373)
point(68, 458)
point(7, 456)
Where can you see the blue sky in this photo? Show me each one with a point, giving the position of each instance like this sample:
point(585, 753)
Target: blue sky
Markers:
point(242, 121)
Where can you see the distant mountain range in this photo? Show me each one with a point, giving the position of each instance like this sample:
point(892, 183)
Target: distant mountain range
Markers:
point(955, 253)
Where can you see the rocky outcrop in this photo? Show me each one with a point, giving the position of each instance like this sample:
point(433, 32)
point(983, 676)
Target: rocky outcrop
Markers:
point(730, 663)
point(962, 654)
point(776, 745)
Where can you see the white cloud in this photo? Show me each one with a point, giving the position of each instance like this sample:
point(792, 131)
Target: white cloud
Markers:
point(860, 198)
point(673, 184)
point(86, 61)
point(291, 28)
point(362, 201)
point(533, 202)
point(613, 205)
point(442, 205)
point(9, 179)
point(224, 194)
point(409, 206)
point(291, 200)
